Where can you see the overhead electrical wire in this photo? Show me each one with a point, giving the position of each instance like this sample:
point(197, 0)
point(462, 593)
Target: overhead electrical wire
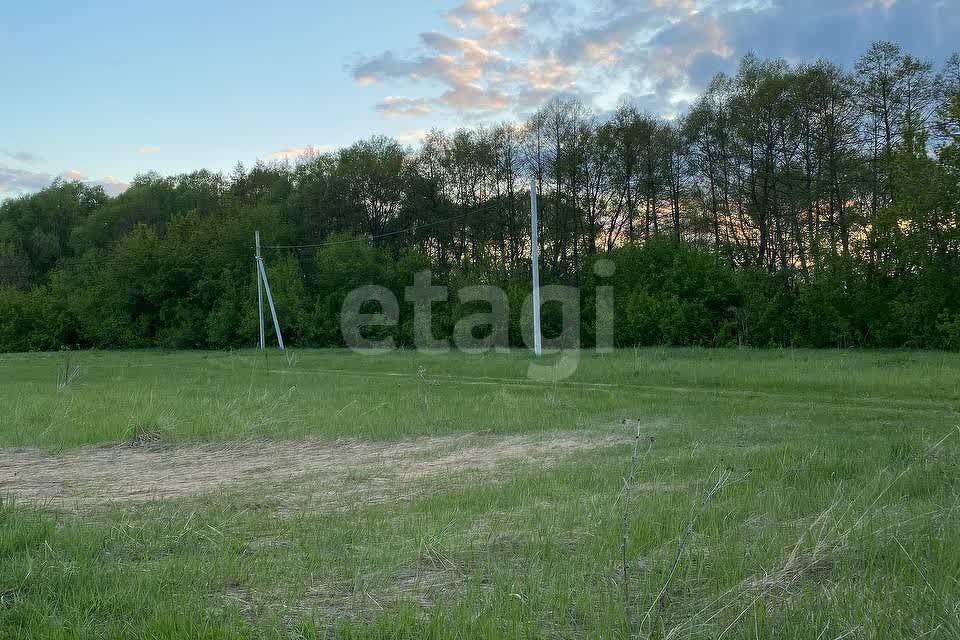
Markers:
point(483, 209)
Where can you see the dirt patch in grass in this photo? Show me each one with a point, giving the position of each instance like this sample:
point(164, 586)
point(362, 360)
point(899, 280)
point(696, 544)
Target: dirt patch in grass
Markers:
point(321, 474)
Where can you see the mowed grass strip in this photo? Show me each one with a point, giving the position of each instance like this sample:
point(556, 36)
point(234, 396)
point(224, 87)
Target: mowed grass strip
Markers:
point(210, 396)
point(813, 496)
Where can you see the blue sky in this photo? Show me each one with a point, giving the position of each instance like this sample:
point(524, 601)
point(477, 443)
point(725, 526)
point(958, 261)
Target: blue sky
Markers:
point(103, 90)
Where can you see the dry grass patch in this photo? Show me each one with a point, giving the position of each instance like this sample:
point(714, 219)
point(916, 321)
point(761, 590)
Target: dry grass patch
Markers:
point(327, 473)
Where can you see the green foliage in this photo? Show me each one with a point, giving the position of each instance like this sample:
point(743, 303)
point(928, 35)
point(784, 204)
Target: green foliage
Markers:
point(793, 205)
point(666, 292)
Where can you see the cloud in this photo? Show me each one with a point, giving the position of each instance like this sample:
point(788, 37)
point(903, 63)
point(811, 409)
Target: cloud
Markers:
point(387, 65)
point(469, 97)
point(602, 40)
point(412, 136)
point(20, 156)
point(502, 58)
point(15, 182)
point(842, 31)
point(393, 106)
point(498, 27)
point(499, 57)
point(295, 153)
point(547, 73)
point(475, 66)
point(147, 149)
point(112, 185)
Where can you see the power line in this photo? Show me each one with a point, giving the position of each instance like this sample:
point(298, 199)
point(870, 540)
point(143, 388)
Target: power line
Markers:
point(485, 208)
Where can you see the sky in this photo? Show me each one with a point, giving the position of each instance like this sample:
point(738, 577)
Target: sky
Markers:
point(103, 90)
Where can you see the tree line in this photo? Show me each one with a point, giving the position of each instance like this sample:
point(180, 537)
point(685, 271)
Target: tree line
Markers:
point(805, 205)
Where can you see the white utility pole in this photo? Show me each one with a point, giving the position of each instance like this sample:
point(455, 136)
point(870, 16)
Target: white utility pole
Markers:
point(256, 264)
point(262, 277)
point(535, 262)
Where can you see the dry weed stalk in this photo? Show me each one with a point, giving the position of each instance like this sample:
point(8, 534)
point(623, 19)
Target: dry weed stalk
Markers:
point(70, 373)
point(723, 480)
point(424, 382)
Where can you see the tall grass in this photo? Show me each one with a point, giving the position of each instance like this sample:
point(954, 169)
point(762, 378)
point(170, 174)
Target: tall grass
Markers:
point(783, 495)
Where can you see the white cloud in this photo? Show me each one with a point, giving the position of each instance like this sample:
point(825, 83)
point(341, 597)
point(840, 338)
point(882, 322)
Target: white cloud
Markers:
point(393, 106)
point(476, 66)
point(20, 156)
point(147, 149)
point(495, 57)
point(412, 136)
point(112, 185)
point(14, 182)
point(295, 153)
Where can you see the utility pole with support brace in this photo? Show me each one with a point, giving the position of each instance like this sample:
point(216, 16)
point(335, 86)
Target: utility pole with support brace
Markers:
point(264, 285)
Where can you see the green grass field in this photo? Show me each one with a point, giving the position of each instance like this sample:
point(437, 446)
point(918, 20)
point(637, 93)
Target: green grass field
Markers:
point(327, 494)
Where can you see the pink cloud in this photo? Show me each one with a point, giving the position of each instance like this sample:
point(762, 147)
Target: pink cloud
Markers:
point(297, 152)
point(394, 106)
